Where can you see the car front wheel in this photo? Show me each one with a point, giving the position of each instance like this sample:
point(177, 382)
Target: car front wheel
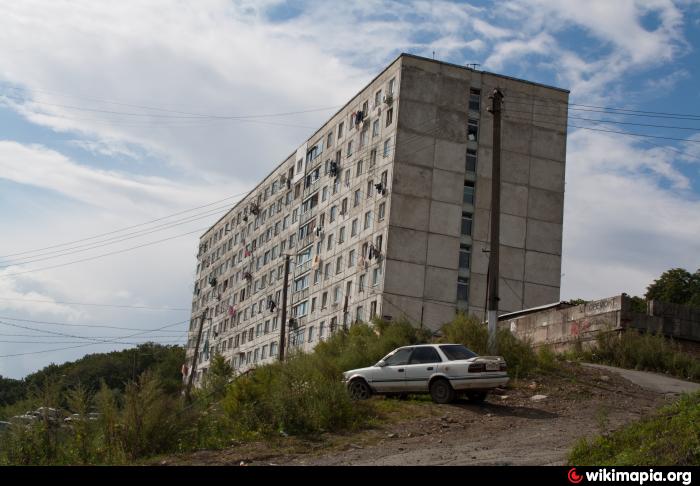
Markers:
point(359, 389)
point(441, 391)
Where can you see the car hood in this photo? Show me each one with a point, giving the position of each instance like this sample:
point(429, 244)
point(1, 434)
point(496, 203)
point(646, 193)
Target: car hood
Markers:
point(358, 371)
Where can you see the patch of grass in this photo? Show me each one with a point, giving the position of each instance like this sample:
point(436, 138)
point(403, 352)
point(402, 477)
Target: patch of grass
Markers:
point(305, 394)
point(647, 352)
point(669, 438)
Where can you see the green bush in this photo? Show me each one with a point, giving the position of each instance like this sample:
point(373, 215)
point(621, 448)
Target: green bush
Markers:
point(669, 438)
point(305, 394)
point(648, 352)
point(519, 355)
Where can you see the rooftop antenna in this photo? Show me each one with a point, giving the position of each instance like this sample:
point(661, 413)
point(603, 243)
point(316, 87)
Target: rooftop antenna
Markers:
point(473, 65)
point(433, 55)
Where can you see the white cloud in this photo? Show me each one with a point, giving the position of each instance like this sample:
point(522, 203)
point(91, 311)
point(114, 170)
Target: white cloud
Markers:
point(47, 169)
point(623, 225)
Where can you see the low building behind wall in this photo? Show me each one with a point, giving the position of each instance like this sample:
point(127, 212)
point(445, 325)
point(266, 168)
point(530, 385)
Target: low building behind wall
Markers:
point(561, 325)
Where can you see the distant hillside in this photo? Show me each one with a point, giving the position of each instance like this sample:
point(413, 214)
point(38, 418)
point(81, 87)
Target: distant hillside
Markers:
point(115, 368)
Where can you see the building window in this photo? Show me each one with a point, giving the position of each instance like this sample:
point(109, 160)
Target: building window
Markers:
point(349, 151)
point(359, 169)
point(368, 219)
point(375, 128)
point(363, 138)
point(474, 99)
point(341, 235)
point(473, 129)
point(351, 259)
point(322, 329)
point(329, 139)
point(324, 300)
point(353, 228)
point(273, 350)
point(300, 309)
point(465, 252)
point(336, 295)
point(376, 273)
point(361, 283)
point(340, 130)
point(334, 213)
point(378, 98)
point(358, 314)
point(462, 288)
point(372, 157)
point(389, 116)
point(382, 210)
point(356, 199)
point(372, 309)
point(311, 334)
point(370, 188)
point(329, 242)
point(392, 84)
point(387, 147)
point(468, 192)
point(339, 265)
point(471, 160)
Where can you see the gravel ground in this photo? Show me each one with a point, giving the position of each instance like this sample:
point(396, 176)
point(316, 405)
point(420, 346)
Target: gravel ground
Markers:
point(509, 428)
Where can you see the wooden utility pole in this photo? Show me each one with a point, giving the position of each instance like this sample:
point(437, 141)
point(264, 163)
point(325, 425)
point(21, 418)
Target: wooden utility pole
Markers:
point(496, 100)
point(283, 324)
point(194, 357)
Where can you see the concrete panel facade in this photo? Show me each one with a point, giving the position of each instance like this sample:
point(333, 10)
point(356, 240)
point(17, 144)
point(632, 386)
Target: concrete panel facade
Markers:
point(387, 215)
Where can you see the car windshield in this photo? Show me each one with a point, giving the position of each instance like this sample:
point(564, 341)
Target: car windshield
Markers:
point(457, 351)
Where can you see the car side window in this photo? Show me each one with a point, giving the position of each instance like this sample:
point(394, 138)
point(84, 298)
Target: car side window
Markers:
point(399, 358)
point(425, 355)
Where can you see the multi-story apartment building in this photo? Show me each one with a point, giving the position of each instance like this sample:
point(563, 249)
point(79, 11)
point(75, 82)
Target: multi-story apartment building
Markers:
point(385, 211)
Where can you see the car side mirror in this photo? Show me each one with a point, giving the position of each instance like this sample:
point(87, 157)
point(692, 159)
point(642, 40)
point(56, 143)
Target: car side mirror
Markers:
point(381, 363)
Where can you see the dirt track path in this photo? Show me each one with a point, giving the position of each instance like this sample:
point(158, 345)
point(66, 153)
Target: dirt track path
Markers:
point(508, 429)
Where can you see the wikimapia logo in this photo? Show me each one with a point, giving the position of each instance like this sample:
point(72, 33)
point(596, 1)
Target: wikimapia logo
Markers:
point(638, 477)
point(574, 477)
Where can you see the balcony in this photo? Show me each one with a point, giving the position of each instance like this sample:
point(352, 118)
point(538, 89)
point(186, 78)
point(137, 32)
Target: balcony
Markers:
point(308, 191)
point(299, 296)
point(307, 216)
point(300, 268)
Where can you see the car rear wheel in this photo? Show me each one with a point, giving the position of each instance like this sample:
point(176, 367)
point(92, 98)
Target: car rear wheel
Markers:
point(359, 389)
point(441, 391)
point(476, 397)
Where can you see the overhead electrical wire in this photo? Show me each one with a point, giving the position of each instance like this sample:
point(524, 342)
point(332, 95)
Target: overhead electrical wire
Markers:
point(93, 304)
point(127, 227)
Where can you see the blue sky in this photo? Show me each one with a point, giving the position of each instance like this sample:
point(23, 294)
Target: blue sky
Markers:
point(111, 115)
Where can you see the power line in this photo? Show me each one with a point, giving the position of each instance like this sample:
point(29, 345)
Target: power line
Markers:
point(117, 239)
point(80, 345)
point(103, 255)
point(127, 227)
point(69, 324)
point(140, 307)
point(190, 116)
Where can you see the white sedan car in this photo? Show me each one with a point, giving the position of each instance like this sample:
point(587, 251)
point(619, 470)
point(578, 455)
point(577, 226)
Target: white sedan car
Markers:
point(443, 370)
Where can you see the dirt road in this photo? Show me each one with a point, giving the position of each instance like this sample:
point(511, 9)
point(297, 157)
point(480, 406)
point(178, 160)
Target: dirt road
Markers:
point(513, 428)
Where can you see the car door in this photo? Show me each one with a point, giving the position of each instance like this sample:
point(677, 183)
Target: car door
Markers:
point(391, 376)
point(422, 364)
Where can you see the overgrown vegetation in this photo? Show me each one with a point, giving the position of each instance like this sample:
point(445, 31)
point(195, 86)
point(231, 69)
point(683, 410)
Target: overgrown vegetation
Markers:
point(648, 352)
point(677, 286)
point(521, 358)
point(302, 396)
point(668, 438)
point(116, 369)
